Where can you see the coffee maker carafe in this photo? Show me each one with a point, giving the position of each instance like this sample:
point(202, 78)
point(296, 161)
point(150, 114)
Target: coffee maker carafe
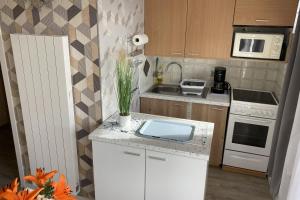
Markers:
point(220, 85)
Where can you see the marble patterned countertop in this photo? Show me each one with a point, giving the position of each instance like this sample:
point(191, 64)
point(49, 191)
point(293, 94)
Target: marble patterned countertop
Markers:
point(211, 99)
point(198, 147)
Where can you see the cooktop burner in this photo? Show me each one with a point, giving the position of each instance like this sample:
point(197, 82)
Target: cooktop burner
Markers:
point(253, 96)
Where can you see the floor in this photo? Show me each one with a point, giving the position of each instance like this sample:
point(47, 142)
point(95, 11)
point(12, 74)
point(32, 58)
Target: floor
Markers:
point(8, 161)
point(223, 185)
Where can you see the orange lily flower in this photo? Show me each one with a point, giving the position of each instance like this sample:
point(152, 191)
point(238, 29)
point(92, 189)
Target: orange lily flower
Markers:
point(13, 187)
point(26, 195)
point(23, 195)
point(61, 190)
point(8, 195)
point(41, 177)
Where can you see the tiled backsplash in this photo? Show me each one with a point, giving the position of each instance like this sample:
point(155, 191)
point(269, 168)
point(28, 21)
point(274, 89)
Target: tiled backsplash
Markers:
point(248, 74)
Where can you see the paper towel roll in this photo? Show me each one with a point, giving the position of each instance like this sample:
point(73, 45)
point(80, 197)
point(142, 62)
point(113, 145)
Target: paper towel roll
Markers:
point(141, 39)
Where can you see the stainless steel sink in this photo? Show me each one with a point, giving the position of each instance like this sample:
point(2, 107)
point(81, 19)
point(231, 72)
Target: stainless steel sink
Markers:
point(174, 90)
point(166, 89)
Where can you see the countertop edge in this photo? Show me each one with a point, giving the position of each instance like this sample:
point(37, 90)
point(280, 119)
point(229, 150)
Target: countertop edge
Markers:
point(186, 99)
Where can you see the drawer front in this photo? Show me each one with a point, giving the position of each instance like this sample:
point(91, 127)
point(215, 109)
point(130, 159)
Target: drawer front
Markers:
point(246, 161)
point(265, 12)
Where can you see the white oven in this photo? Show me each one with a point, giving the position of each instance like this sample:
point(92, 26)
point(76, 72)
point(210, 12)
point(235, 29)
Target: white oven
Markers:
point(250, 129)
point(258, 45)
point(250, 134)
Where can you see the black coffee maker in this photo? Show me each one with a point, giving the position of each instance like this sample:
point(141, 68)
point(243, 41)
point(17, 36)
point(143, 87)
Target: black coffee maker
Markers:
point(220, 85)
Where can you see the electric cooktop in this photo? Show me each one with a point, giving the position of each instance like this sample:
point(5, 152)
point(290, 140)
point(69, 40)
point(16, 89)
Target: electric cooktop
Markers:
point(254, 96)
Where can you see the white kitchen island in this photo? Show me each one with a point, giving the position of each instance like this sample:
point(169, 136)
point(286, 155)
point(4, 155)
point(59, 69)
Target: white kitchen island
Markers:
point(128, 167)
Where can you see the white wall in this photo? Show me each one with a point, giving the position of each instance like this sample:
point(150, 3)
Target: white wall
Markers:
point(118, 20)
point(291, 163)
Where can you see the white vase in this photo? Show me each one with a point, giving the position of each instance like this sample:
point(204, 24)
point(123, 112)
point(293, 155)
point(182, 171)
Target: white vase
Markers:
point(125, 122)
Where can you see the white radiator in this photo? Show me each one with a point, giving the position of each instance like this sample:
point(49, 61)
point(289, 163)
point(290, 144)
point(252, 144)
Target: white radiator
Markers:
point(44, 80)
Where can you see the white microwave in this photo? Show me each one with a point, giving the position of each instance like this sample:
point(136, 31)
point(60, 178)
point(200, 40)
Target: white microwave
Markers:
point(258, 45)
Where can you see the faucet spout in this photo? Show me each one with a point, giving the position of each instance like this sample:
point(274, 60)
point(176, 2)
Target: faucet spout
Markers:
point(175, 64)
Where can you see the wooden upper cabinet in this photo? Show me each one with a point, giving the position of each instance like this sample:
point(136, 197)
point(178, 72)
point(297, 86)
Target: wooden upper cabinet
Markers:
point(209, 28)
point(265, 12)
point(165, 24)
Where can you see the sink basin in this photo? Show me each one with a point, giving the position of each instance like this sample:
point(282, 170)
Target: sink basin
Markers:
point(166, 89)
point(175, 90)
point(166, 130)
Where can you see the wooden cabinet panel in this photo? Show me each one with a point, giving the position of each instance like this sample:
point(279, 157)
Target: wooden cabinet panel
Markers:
point(154, 106)
point(218, 116)
point(164, 108)
point(265, 12)
point(171, 177)
point(165, 24)
point(114, 167)
point(199, 112)
point(177, 109)
point(209, 28)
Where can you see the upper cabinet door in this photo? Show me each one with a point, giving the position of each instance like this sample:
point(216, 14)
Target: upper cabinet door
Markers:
point(165, 24)
point(265, 12)
point(209, 28)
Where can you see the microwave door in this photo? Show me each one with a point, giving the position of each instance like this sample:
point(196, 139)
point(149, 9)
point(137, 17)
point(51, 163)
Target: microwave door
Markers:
point(257, 46)
point(252, 45)
point(245, 45)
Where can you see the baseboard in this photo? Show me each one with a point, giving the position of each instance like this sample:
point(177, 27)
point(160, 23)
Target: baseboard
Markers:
point(244, 171)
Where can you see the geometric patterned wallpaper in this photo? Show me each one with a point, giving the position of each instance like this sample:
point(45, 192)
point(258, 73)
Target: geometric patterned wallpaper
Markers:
point(78, 20)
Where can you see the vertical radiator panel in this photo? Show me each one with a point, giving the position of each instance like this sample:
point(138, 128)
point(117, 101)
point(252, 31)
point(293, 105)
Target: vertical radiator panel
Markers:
point(44, 76)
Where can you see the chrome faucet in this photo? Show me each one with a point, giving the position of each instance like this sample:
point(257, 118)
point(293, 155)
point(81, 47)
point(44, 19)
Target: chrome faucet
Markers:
point(179, 65)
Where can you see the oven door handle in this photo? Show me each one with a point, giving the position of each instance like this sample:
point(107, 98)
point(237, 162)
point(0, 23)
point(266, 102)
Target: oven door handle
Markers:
point(245, 158)
point(260, 121)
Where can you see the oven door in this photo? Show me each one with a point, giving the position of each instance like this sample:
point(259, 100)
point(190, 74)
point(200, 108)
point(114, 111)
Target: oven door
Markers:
point(249, 134)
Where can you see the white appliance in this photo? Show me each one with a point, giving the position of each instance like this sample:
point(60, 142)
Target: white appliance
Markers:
point(44, 75)
point(258, 45)
point(250, 129)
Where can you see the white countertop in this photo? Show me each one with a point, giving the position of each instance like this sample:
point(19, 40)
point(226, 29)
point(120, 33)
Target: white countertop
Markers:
point(198, 147)
point(211, 99)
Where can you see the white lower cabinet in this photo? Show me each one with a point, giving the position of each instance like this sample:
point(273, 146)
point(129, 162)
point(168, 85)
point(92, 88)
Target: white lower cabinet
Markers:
point(171, 177)
point(119, 172)
point(127, 173)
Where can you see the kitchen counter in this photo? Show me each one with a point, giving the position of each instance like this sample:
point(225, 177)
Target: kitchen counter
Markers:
point(198, 147)
point(211, 99)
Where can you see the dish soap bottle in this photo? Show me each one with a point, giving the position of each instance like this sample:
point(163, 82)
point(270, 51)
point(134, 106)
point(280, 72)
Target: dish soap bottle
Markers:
point(159, 75)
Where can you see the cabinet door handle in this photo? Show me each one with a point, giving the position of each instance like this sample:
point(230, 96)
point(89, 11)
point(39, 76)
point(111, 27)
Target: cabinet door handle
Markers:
point(219, 109)
point(177, 53)
point(262, 20)
point(156, 158)
point(131, 153)
point(193, 54)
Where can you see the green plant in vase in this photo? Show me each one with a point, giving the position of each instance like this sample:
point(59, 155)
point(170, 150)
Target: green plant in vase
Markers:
point(124, 78)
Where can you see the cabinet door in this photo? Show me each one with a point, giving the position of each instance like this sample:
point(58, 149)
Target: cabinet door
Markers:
point(177, 109)
point(209, 28)
point(265, 12)
point(199, 112)
point(165, 24)
point(218, 116)
point(154, 106)
point(170, 177)
point(119, 172)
